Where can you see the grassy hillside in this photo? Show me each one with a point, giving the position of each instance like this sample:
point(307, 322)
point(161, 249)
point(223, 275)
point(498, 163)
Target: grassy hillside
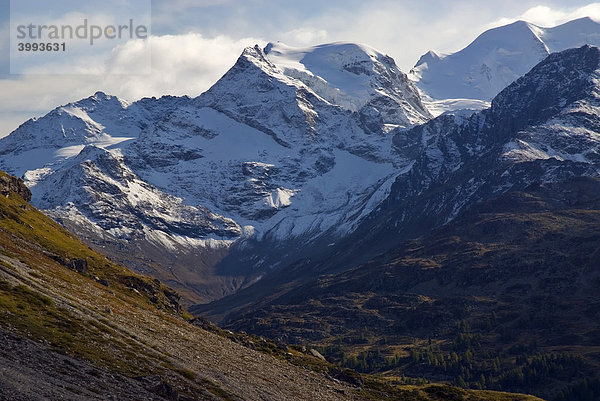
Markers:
point(76, 326)
point(505, 297)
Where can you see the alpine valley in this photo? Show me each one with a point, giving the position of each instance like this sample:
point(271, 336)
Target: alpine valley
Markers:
point(311, 196)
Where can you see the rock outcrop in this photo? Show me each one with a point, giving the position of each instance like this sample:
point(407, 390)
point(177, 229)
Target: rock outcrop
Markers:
point(10, 184)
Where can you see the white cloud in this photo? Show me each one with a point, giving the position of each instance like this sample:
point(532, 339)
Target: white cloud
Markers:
point(305, 36)
point(545, 16)
point(401, 31)
point(181, 65)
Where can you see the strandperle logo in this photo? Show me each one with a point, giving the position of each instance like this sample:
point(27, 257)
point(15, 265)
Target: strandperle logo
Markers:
point(85, 30)
point(87, 37)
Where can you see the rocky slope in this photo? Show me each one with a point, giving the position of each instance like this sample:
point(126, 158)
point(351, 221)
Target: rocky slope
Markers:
point(10, 184)
point(73, 320)
point(33, 371)
point(494, 60)
point(289, 146)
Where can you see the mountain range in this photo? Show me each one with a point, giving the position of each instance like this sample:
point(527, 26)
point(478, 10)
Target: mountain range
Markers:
point(277, 151)
point(311, 196)
point(540, 132)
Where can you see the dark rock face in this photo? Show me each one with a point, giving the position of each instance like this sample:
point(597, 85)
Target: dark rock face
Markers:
point(159, 294)
point(10, 184)
point(559, 80)
point(159, 387)
point(80, 265)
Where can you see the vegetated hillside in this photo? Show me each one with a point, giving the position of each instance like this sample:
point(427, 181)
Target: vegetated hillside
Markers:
point(76, 326)
point(74, 319)
point(504, 297)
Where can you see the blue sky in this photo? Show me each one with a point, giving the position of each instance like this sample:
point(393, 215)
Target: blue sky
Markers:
point(195, 41)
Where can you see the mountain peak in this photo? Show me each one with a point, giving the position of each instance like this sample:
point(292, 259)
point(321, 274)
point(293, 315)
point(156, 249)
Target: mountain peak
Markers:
point(585, 20)
point(327, 58)
point(518, 36)
point(580, 22)
point(100, 98)
point(519, 24)
point(101, 95)
point(498, 57)
point(252, 51)
point(353, 77)
point(428, 57)
point(255, 55)
point(575, 33)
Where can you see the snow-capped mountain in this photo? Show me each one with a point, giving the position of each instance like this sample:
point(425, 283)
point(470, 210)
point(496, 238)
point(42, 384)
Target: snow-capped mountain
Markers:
point(296, 153)
point(494, 60)
point(289, 146)
point(542, 128)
